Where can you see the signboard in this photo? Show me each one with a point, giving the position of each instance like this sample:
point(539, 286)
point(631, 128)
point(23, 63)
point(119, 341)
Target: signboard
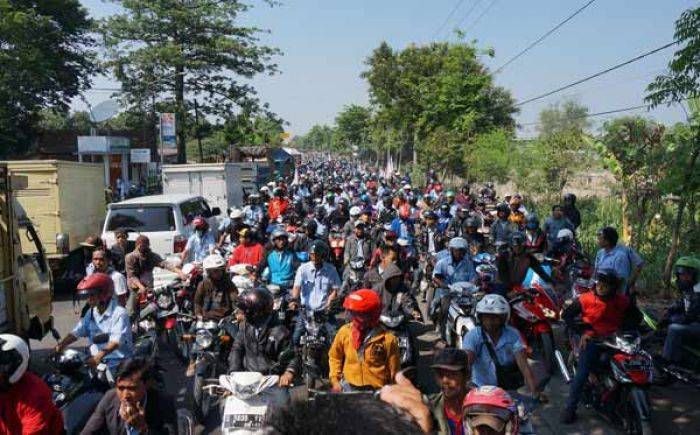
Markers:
point(167, 130)
point(102, 145)
point(140, 155)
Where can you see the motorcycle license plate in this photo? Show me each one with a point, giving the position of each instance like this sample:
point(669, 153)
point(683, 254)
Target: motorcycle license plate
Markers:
point(243, 421)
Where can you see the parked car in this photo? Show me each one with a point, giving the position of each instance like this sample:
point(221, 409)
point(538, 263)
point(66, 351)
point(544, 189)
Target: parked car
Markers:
point(165, 219)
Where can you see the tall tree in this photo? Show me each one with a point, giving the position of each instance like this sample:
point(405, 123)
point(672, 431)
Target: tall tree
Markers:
point(353, 125)
point(565, 115)
point(45, 61)
point(681, 82)
point(184, 50)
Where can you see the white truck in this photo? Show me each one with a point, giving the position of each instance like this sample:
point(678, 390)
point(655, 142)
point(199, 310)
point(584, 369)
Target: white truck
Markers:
point(223, 185)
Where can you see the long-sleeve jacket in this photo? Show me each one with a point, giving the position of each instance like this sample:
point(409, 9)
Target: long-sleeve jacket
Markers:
point(215, 299)
point(400, 300)
point(378, 365)
point(259, 349)
point(351, 250)
point(686, 309)
point(160, 415)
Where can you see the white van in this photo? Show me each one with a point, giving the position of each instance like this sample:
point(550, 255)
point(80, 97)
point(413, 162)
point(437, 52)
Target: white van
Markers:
point(165, 219)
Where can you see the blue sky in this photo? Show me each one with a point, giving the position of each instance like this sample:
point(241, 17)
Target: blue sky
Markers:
point(326, 42)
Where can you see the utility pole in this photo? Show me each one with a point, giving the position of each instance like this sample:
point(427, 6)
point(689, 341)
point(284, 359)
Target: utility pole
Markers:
point(199, 137)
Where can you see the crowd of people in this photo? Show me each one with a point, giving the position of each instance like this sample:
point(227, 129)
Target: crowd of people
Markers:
point(341, 239)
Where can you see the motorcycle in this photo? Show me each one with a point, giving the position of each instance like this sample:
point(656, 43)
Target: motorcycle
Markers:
point(620, 392)
point(210, 349)
point(535, 308)
point(280, 297)
point(76, 389)
point(354, 276)
point(398, 324)
point(247, 398)
point(461, 317)
point(336, 240)
point(315, 343)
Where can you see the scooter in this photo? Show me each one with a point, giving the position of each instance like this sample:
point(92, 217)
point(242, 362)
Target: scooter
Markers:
point(247, 398)
point(76, 389)
point(398, 324)
point(620, 392)
point(461, 317)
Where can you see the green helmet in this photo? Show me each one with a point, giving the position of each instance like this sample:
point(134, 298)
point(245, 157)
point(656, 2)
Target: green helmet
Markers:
point(688, 261)
point(450, 193)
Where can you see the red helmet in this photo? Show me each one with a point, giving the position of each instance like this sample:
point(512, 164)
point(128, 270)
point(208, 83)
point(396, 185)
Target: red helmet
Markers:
point(363, 301)
point(492, 407)
point(99, 284)
point(199, 223)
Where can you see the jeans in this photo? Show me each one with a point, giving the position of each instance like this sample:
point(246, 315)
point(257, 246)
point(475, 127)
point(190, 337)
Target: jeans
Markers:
point(677, 333)
point(300, 328)
point(587, 360)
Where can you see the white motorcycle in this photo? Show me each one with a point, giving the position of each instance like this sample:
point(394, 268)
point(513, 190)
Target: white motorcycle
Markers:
point(247, 398)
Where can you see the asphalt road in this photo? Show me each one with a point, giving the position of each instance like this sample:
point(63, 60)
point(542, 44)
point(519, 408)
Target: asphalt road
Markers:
point(676, 407)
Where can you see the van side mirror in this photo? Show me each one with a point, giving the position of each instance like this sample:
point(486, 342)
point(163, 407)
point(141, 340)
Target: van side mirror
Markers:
point(215, 211)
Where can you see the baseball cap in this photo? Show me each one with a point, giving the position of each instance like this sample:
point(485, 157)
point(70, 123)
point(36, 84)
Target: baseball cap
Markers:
point(450, 359)
point(489, 420)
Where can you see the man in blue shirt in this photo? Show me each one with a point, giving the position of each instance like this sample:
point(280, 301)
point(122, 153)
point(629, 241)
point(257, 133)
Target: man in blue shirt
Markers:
point(200, 244)
point(106, 324)
point(555, 223)
point(624, 260)
point(494, 344)
point(457, 267)
point(280, 261)
point(316, 285)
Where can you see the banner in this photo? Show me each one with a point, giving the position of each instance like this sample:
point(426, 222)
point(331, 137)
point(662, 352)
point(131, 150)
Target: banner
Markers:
point(168, 137)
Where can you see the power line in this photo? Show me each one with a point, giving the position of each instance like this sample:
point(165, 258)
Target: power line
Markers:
point(598, 74)
point(543, 37)
point(488, 8)
point(447, 20)
point(469, 12)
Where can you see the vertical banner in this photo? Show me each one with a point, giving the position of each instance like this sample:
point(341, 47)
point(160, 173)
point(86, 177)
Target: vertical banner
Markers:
point(167, 131)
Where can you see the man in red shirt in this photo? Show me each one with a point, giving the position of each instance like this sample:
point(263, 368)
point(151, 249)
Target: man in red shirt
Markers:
point(248, 251)
point(25, 400)
point(278, 205)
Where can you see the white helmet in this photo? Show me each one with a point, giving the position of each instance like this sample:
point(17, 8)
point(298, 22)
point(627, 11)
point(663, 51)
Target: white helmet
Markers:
point(493, 304)
point(565, 233)
point(355, 211)
point(458, 243)
point(407, 187)
point(236, 213)
point(213, 261)
point(15, 352)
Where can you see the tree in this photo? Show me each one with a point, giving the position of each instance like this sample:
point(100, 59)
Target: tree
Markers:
point(495, 151)
point(45, 61)
point(681, 82)
point(353, 125)
point(566, 115)
point(436, 96)
point(319, 138)
point(187, 50)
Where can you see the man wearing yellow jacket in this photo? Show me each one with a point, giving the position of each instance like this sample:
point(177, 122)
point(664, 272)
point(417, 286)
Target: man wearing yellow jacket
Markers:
point(363, 355)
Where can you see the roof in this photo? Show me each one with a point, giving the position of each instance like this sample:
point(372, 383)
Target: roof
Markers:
point(292, 151)
point(173, 198)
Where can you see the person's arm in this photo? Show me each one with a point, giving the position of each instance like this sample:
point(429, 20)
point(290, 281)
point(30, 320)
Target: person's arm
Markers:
point(336, 283)
point(165, 265)
point(536, 266)
point(637, 265)
point(65, 342)
point(336, 358)
point(393, 356)
point(347, 251)
point(632, 317)
point(199, 300)
point(296, 290)
point(521, 360)
point(238, 350)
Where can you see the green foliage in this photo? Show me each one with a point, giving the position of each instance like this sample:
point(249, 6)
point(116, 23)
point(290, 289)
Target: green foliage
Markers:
point(353, 126)
point(682, 80)
point(179, 51)
point(52, 120)
point(46, 60)
point(319, 138)
point(568, 115)
point(492, 156)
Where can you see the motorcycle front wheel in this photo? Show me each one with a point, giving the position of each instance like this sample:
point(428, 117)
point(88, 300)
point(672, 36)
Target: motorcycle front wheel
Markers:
point(636, 422)
point(202, 399)
point(179, 347)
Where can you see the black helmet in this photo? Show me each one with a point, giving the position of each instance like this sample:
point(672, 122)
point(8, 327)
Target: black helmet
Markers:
point(311, 225)
point(318, 247)
point(609, 277)
point(472, 222)
point(516, 239)
point(503, 208)
point(256, 304)
point(570, 197)
point(445, 207)
point(429, 215)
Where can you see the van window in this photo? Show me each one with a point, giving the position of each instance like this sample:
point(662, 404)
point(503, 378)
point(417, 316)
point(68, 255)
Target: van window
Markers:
point(145, 219)
point(192, 209)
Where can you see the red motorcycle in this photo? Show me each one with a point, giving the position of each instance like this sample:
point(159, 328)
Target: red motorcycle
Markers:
point(336, 240)
point(534, 309)
point(620, 391)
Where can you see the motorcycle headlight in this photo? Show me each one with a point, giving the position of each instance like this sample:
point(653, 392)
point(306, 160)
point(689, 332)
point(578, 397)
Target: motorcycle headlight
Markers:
point(627, 346)
point(391, 322)
point(550, 314)
point(164, 301)
point(204, 339)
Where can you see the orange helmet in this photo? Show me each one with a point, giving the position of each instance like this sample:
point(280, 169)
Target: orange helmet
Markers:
point(363, 301)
